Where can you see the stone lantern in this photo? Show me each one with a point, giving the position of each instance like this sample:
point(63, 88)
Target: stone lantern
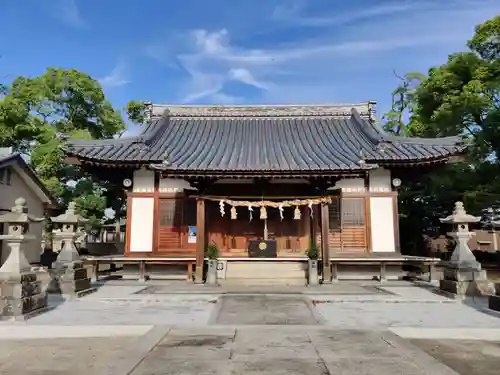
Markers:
point(68, 276)
point(21, 291)
point(463, 274)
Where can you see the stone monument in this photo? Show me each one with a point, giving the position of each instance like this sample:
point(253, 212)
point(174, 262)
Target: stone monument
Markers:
point(20, 290)
point(463, 274)
point(68, 275)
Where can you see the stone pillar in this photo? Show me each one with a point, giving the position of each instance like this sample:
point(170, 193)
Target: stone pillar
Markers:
point(463, 275)
point(21, 292)
point(68, 276)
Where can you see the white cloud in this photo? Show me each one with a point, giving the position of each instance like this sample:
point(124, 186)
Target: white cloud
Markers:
point(314, 67)
point(294, 14)
point(68, 12)
point(244, 76)
point(116, 78)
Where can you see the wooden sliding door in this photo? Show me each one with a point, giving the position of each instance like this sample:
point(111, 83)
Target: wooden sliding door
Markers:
point(353, 224)
point(175, 216)
point(347, 225)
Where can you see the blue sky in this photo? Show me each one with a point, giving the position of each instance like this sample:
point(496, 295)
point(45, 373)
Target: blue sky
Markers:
point(237, 51)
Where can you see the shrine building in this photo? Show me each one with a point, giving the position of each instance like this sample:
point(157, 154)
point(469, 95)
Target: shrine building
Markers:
point(289, 175)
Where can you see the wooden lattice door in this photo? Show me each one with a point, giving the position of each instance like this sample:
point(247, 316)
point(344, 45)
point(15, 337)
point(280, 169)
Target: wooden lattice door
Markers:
point(169, 224)
point(353, 222)
point(347, 225)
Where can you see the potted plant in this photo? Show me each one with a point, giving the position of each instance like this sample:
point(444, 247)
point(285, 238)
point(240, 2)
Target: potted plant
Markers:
point(312, 270)
point(212, 253)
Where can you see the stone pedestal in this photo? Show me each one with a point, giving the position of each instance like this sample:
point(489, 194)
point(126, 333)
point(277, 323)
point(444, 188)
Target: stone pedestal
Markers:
point(22, 297)
point(212, 272)
point(68, 275)
point(494, 300)
point(462, 281)
point(463, 275)
point(21, 293)
point(70, 280)
point(312, 272)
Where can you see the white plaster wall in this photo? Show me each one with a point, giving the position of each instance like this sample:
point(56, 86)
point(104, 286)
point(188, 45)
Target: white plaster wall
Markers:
point(172, 185)
point(350, 185)
point(8, 194)
point(380, 180)
point(141, 225)
point(382, 224)
point(144, 181)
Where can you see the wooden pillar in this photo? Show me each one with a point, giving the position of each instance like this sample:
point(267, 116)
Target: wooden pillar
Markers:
point(200, 240)
point(325, 249)
point(314, 226)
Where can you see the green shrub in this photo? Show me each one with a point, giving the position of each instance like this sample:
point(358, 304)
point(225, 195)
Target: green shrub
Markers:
point(312, 252)
point(212, 251)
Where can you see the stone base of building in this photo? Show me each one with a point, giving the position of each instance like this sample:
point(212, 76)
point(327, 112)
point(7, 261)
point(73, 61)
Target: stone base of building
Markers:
point(264, 273)
point(466, 282)
point(22, 297)
point(70, 280)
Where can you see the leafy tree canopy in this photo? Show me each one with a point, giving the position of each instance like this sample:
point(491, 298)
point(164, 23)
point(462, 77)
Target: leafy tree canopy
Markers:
point(38, 114)
point(459, 97)
point(137, 111)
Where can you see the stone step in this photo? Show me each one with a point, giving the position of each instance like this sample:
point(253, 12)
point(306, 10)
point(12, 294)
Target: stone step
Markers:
point(266, 271)
point(236, 283)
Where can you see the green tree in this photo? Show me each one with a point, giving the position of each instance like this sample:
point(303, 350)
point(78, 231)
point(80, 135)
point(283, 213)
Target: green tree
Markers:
point(460, 97)
point(37, 115)
point(137, 111)
point(463, 95)
point(399, 119)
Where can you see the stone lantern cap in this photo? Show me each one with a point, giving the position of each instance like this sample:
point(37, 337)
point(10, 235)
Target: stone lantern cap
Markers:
point(460, 216)
point(70, 216)
point(19, 214)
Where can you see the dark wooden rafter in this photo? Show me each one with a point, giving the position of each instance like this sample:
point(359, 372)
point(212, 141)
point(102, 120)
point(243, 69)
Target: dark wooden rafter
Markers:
point(323, 184)
point(113, 175)
point(201, 184)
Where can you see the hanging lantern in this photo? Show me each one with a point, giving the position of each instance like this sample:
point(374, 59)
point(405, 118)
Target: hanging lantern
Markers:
point(234, 214)
point(221, 208)
point(250, 211)
point(296, 213)
point(263, 213)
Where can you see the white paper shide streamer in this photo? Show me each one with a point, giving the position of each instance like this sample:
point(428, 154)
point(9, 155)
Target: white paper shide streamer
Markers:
point(250, 211)
point(280, 208)
point(221, 208)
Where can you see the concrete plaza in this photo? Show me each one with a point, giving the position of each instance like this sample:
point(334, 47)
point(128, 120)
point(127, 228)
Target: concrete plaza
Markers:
point(178, 328)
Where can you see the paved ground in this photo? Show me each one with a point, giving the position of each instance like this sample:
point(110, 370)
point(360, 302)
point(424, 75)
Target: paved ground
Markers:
point(471, 357)
point(275, 351)
point(184, 329)
point(265, 310)
point(63, 356)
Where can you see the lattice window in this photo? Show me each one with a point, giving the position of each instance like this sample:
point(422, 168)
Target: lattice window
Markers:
point(353, 224)
point(334, 210)
point(170, 212)
point(353, 212)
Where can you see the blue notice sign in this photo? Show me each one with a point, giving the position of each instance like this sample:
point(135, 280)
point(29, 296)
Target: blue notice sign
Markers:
point(191, 234)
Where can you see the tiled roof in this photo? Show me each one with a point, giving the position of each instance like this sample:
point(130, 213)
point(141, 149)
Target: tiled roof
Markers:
point(264, 139)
